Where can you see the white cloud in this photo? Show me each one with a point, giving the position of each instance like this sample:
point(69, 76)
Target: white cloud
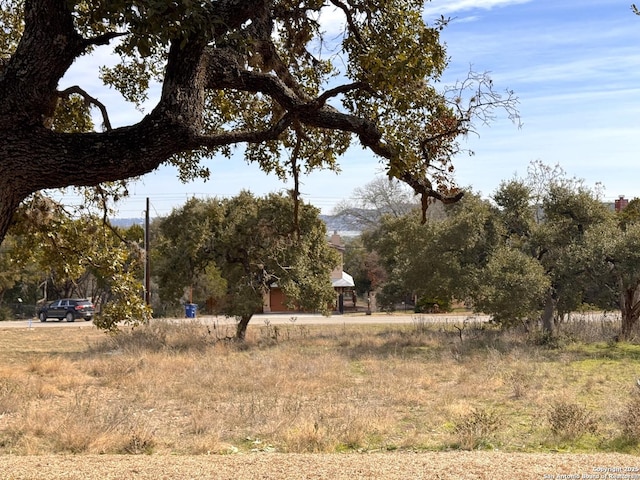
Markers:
point(332, 21)
point(445, 7)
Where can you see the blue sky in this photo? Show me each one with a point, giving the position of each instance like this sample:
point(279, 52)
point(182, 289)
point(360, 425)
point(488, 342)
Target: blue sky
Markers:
point(574, 65)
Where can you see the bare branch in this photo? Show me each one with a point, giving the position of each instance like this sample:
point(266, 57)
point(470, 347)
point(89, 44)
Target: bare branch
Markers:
point(475, 99)
point(353, 29)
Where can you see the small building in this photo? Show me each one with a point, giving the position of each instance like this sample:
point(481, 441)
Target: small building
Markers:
point(621, 203)
point(341, 281)
point(275, 300)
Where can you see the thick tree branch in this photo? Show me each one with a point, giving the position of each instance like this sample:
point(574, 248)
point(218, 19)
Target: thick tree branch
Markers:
point(210, 54)
point(104, 39)
point(48, 47)
point(257, 136)
point(91, 100)
point(225, 72)
point(341, 89)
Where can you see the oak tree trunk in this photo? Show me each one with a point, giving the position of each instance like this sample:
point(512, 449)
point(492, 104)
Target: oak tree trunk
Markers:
point(547, 314)
point(241, 329)
point(629, 310)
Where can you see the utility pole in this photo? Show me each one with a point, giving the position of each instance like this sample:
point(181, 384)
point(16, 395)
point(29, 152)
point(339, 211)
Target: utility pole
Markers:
point(147, 258)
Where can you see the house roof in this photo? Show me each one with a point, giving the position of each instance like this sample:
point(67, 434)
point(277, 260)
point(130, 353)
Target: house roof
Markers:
point(345, 280)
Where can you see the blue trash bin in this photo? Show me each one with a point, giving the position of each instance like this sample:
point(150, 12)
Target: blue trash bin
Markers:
point(190, 310)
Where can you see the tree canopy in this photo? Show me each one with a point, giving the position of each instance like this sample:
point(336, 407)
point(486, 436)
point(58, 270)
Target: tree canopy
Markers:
point(54, 253)
point(235, 250)
point(545, 246)
point(262, 73)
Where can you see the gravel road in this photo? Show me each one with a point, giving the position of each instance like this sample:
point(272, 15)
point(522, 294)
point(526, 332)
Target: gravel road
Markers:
point(272, 466)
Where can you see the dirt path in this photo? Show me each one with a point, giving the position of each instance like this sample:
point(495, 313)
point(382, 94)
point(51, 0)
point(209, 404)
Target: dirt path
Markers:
point(386, 466)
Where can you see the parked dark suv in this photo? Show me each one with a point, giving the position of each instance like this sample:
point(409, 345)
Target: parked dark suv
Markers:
point(69, 309)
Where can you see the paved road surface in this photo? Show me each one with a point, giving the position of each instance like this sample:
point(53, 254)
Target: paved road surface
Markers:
point(314, 319)
point(279, 319)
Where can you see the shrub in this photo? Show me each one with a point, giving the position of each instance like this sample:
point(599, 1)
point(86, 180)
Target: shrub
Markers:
point(629, 419)
point(432, 305)
point(6, 314)
point(571, 421)
point(476, 429)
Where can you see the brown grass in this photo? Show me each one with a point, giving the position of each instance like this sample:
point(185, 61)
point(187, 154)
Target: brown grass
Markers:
point(181, 389)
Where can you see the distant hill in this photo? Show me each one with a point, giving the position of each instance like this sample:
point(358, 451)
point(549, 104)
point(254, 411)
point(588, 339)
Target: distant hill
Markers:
point(126, 222)
point(333, 223)
point(339, 224)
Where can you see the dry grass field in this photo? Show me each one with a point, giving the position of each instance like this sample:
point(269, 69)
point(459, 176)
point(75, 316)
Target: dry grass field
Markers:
point(182, 390)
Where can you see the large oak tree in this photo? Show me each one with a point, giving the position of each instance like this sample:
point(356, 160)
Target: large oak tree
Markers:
point(261, 73)
point(234, 251)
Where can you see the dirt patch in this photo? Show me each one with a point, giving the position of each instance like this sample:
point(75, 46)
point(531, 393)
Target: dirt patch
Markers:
point(388, 466)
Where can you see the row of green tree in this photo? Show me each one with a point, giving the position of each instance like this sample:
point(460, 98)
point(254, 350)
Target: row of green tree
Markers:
point(222, 254)
point(540, 248)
